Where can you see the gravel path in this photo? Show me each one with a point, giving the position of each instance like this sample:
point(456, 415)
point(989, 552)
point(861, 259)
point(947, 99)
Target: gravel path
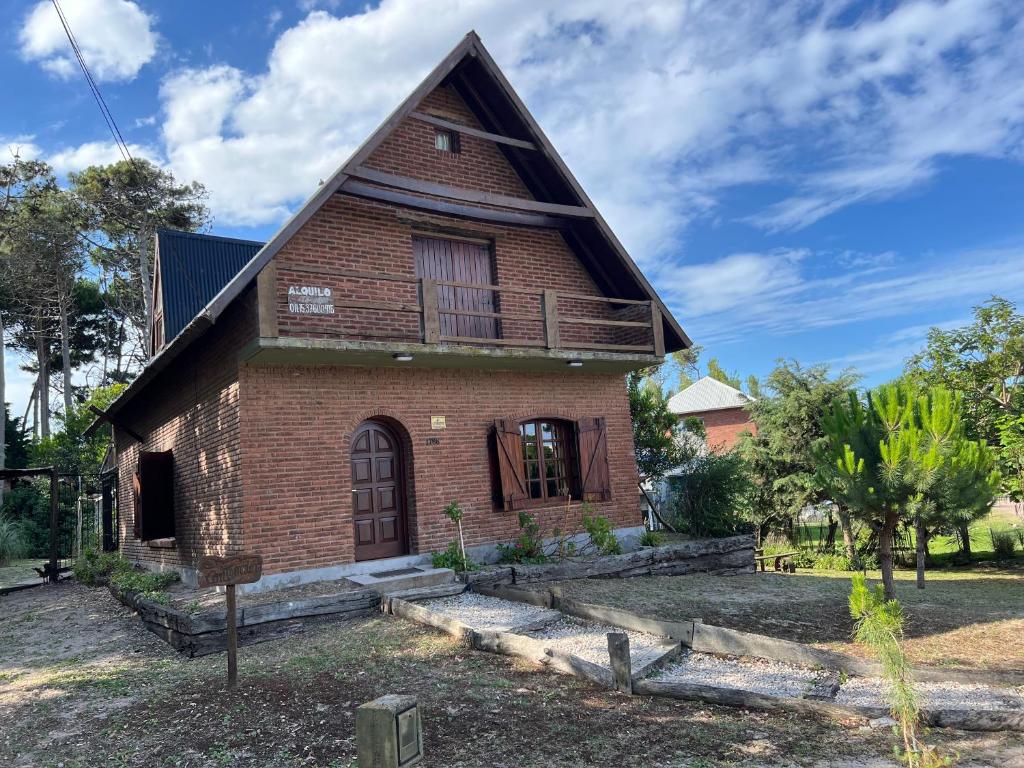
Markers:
point(481, 612)
point(761, 676)
point(590, 642)
point(869, 692)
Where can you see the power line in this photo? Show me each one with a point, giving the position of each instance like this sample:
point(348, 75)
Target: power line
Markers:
point(108, 116)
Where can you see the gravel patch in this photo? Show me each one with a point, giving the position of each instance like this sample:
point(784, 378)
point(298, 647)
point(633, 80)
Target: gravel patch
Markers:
point(870, 692)
point(482, 612)
point(759, 675)
point(590, 642)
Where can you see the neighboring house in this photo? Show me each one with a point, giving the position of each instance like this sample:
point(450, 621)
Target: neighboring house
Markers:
point(721, 408)
point(447, 318)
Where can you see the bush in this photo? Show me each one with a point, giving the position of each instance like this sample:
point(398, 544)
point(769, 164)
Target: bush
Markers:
point(93, 567)
point(707, 499)
point(1003, 544)
point(651, 538)
point(830, 561)
point(150, 584)
point(601, 534)
point(13, 544)
point(452, 558)
point(528, 547)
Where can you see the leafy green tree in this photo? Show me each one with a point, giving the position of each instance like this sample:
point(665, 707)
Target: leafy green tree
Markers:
point(68, 448)
point(127, 202)
point(660, 440)
point(783, 453)
point(984, 361)
point(716, 371)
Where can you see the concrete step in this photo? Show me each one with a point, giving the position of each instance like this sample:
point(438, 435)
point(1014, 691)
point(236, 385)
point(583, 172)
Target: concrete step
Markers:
point(400, 579)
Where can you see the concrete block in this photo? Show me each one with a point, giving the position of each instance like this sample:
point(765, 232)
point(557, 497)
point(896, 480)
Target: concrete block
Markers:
point(389, 733)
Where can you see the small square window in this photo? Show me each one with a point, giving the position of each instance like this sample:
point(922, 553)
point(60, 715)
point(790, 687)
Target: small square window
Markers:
point(447, 141)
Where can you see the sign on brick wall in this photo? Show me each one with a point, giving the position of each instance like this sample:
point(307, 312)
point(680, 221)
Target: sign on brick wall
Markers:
point(310, 300)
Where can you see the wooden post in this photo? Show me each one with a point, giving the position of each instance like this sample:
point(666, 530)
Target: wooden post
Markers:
point(622, 666)
point(431, 317)
point(232, 640)
point(54, 524)
point(549, 305)
point(658, 330)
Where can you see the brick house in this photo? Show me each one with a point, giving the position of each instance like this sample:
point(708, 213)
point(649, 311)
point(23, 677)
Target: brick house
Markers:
point(447, 318)
point(721, 408)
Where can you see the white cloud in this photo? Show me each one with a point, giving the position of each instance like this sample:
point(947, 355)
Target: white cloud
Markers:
point(659, 106)
point(116, 38)
point(772, 294)
point(95, 153)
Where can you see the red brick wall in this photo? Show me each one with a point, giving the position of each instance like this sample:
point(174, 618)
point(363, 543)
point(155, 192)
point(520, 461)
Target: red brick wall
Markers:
point(724, 427)
point(297, 424)
point(192, 409)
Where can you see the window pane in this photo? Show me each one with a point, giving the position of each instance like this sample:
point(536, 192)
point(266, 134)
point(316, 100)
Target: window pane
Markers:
point(529, 429)
point(529, 450)
point(442, 141)
point(535, 490)
point(552, 488)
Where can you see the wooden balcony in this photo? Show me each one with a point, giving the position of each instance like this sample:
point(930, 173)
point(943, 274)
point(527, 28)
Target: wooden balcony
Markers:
point(370, 307)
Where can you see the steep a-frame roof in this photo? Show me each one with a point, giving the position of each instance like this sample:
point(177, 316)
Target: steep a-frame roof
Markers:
point(471, 71)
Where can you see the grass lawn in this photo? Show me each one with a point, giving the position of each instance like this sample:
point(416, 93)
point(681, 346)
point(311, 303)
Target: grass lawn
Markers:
point(970, 617)
point(18, 571)
point(82, 684)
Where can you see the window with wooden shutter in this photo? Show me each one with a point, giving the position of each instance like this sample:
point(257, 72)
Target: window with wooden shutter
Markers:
point(154, 495)
point(512, 478)
point(593, 448)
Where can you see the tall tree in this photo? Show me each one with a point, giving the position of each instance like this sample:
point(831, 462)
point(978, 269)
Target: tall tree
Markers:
point(984, 361)
point(898, 456)
point(20, 181)
point(127, 202)
point(716, 371)
point(783, 454)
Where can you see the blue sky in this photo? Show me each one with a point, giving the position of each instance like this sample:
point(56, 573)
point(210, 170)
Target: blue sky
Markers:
point(816, 180)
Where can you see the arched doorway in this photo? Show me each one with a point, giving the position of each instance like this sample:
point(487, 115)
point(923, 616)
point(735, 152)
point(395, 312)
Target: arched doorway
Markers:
point(379, 514)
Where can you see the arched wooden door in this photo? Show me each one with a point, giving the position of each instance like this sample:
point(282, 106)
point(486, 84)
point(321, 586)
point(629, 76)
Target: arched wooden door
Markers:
point(378, 493)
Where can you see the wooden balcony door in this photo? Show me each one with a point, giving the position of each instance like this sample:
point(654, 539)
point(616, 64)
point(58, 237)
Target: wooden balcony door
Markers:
point(462, 262)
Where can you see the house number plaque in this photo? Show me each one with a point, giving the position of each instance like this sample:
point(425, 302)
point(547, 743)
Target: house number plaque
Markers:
point(437, 422)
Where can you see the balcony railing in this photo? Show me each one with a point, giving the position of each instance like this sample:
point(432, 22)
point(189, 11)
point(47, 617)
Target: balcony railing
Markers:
point(426, 310)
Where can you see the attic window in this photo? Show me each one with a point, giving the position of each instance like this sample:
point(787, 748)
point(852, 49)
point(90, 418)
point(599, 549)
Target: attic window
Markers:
point(447, 141)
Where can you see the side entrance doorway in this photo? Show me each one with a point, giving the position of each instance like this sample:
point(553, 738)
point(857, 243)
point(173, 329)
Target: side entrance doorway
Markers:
point(379, 513)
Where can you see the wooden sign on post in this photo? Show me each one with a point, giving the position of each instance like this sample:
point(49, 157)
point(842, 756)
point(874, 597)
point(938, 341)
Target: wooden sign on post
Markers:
point(216, 571)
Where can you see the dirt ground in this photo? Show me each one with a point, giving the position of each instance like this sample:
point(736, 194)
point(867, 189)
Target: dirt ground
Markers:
point(971, 617)
point(82, 684)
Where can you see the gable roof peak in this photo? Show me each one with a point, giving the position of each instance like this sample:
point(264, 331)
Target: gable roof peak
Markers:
point(708, 394)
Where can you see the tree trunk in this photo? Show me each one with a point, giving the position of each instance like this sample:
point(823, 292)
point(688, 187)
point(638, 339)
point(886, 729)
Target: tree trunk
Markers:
point(921, 545)
point(3, 402)
point(147, 288)
point(965, 538)
point(847, 528)
point(43, 401)
point(885, 554)
point(65, 359)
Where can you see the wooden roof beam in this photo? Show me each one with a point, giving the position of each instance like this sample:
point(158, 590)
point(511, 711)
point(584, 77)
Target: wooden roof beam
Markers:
point(462, 194)
point(440, 122)
point(381, 195)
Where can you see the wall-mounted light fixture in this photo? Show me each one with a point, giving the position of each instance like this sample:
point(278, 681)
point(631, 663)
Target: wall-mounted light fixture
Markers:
point(402, 357)
point(575, 363)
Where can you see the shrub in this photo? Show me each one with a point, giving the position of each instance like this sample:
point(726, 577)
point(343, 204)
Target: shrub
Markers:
point(830, 561)
point(150, 584)
point(453, 558)
point(708, 497)
point(93, 567)
point(804, 558)
point(13, 544)
point(651, 538)
point(528, 546)
point(1003, 544)
point(601, 534)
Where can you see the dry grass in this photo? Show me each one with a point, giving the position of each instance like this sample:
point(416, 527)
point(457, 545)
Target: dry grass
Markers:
point(971, 617)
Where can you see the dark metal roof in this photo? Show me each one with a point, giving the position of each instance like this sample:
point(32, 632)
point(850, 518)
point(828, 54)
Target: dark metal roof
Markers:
point(193, 269)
